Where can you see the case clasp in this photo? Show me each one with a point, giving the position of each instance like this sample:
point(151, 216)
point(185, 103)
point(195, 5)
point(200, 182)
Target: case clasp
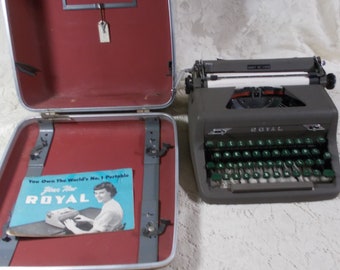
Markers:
point(132, 3)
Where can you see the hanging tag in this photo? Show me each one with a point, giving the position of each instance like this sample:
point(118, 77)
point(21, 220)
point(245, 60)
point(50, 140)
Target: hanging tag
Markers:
point(104, 31)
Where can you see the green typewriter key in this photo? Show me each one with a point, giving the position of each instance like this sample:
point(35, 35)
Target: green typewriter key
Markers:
point(270, 164)
point(295, 152)
point(237, 155)
point(216, 177)
point(209, 144)
point(266, 154)
point(289, 163)
point(249, 165)
point(321, 140)
point(286, 174)
point(279, 163)
point(289, 141)
point(246, 154)
point(216, 155)
point(299, 163)
point(246, 176)
point(220, 144)
point(226, 176)
point(236, 176)
point(296, 173)
point(269, 142)
point(260, 143)
point(256, 154)
point(285, 153)
point(319, 162)
point(266, 175)
point(240, 165)
point(279, 142)
point(327, 156)
point(210, 165)
point(276, 153)
point(240, 143)
point(250, 143)
point(309, 162)
point(305, 152)
point(317, 173)
point(328, 175)
point(309, 141)
point(276, 174)
point(227, 155)
point(229, 165)
point(298, 141)
point(315, 152)
point(260, 164)
point(230, 144)
point(307, 172)
point(220, 165)
point(256, 175)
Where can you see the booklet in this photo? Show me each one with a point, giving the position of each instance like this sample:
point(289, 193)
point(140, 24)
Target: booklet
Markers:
point(72, 204)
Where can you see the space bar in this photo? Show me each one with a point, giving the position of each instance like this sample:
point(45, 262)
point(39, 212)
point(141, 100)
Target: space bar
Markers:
point(239, 188)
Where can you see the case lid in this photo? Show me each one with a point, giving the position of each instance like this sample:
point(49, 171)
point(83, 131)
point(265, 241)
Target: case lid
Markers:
point(61, 64)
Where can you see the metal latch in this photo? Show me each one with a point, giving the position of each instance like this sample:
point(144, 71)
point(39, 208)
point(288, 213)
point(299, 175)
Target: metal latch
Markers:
point(152, 229)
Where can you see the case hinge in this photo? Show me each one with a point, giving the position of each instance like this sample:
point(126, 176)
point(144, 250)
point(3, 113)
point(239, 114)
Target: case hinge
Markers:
point(55, 116)
point(143, 111)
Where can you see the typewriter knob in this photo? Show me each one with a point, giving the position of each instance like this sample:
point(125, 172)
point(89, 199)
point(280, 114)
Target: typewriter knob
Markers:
point(189, 87)
point(331, 80)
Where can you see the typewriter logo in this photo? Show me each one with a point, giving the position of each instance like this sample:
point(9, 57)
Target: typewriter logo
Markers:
point(266, 129)
point(219, 131)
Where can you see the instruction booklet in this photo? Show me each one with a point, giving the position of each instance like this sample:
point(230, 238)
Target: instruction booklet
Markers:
point(71, 204)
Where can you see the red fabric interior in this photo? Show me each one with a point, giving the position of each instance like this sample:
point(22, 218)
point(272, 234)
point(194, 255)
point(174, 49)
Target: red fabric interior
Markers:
point(88, 146)
point(76, 70)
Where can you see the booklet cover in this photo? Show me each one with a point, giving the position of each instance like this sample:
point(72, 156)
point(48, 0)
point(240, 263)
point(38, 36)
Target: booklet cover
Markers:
point(71, 204)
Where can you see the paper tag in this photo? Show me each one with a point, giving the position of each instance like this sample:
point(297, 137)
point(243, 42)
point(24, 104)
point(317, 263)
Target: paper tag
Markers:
point(104, 32)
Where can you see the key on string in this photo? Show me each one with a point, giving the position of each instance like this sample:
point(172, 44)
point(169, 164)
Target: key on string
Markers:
point(103, 27)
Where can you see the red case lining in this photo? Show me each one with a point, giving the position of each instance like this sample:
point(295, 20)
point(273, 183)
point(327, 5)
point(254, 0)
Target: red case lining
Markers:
point(76, 70)
point(86, 146)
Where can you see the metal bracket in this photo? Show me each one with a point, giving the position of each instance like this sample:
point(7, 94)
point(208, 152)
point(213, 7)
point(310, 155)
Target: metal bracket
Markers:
point(148, 241)
point(40, 150)
point(8, 244)
point(38, 157)
point(132, 3)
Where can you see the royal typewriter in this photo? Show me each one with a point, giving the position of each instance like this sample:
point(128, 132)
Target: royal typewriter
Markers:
point(263, 130)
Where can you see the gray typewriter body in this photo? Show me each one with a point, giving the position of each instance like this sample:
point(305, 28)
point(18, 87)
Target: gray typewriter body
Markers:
point(264, 143)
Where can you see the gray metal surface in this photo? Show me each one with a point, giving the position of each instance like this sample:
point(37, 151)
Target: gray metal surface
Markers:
point(148, 241)
point(38, 157)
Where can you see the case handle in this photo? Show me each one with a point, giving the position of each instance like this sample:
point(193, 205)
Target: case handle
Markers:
point(131, 3)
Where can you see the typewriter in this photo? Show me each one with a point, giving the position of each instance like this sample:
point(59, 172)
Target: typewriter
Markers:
point(263, 130)
point(57, 217)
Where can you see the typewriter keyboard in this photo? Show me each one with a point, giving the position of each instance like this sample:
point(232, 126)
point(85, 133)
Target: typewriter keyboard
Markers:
point(268, 164)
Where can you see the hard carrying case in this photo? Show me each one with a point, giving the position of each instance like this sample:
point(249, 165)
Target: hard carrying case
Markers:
point(94, 72)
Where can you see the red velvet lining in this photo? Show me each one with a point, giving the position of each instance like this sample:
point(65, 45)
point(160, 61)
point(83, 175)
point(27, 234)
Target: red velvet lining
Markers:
point(76, 70)
point(87, 146)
